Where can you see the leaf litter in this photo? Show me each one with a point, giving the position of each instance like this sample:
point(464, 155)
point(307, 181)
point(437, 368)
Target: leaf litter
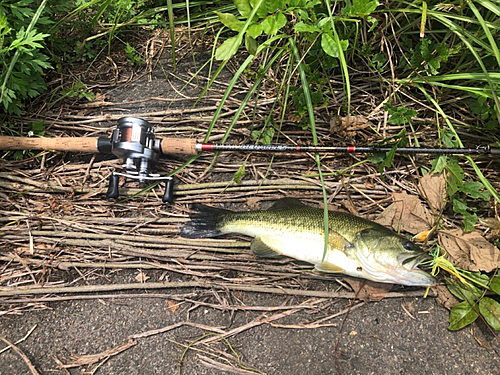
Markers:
point(469, 251)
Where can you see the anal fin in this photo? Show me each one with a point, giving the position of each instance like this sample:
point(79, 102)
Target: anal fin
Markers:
point(329, 267)
point(261, 249)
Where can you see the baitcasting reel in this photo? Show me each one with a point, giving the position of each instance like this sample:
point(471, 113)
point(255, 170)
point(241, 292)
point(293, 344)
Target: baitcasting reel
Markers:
point(134, 142)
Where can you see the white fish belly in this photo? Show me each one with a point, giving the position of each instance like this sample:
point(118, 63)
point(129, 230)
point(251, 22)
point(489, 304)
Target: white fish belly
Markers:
point(307, 247)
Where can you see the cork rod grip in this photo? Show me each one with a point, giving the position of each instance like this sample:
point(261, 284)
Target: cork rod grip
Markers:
point(184, 146)
point(75, 144)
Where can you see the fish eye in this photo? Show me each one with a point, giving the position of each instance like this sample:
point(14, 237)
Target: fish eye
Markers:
point(409, 246)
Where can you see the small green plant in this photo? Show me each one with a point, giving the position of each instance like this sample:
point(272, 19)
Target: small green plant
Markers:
point(78, 90)
point(470, 289)
point(133, 57)
point(22, 57)
point(428, 56)
point(264, 136)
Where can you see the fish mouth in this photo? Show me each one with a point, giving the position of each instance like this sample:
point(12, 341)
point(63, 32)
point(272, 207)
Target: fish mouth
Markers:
point(411, 262)
point(412, 269)
point(404, 271)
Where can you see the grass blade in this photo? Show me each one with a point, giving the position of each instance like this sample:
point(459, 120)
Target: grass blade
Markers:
point(342, 59)
point(170, 12)
point(310, 111)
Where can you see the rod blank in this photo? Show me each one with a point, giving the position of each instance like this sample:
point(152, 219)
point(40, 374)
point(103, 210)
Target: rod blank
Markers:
point(486, 150)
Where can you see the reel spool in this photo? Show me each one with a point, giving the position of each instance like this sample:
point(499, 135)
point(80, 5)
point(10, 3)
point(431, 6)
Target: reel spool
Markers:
point(134, 142)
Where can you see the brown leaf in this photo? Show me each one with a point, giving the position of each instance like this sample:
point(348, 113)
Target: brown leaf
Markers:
point(172, 306)
point(367, 290)
point(254, 202)
point(444, 296)
point(348, 126)
point(490, 222)
point(433, 189)
point(470, 251)
point(407, 213)
point(141, 277)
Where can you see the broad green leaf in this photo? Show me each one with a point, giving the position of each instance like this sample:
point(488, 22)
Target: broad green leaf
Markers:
point(389, 156)
point(463, 292)
point(454, 176)
point(254, 30)
point(229, 20)
point(490, 310)
point(272, 5)
point(263, 136)
point(302, 27)
point(262, 10)
point(251, 44)
point(461, 315)
point(438, 165)
point(495, 284)
point(475, 189)
point(400, 115)
point(227, 49)
point(470, 219)
point(360, 8)
point(244, 7)
point(272, 24)
point(330, 47)
point(477, 277)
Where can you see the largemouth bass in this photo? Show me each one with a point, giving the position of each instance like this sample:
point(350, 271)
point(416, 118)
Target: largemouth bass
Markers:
point(356, 246)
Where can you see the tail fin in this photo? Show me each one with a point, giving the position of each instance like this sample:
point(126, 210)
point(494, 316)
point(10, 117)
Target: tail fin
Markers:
point(204, 223)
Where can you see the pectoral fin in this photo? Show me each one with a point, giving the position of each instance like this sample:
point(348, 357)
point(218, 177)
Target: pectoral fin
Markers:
point(338, 242)
point(260, 249)
point(329, 267)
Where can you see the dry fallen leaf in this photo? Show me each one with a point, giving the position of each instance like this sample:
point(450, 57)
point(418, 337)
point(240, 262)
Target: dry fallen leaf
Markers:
point(141, 277)
point(367, 290)
point(254, 202)
point(172, 306)
point(407, 213)
point(348, 126)
point(444, 296)
point(470, 251)
point(433, 189)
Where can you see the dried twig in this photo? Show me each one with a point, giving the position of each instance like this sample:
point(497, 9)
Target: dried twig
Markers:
point(189, 284)
point(20, 340)
point(32, 368)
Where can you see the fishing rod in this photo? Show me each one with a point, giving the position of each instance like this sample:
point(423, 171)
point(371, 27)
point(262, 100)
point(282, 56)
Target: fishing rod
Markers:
point(134, 141)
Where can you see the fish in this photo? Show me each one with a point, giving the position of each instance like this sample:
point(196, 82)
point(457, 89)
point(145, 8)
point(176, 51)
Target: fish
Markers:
point(356, 246)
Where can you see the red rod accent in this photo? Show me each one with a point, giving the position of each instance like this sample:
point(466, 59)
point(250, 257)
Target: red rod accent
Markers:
point(298, 148)
point(206, 147)
point(351, 148)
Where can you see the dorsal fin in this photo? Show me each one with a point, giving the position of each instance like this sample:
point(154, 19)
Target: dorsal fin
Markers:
point(283, 203)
